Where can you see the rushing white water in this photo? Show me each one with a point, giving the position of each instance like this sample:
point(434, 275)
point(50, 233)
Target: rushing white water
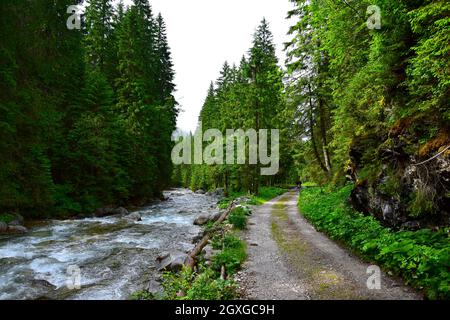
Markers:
point(116, 257)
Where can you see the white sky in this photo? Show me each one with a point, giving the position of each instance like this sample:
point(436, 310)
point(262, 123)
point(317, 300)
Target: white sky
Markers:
point(203, 34)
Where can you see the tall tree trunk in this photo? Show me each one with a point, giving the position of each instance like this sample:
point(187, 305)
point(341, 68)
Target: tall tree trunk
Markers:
point(313, 139)
point(323, 131)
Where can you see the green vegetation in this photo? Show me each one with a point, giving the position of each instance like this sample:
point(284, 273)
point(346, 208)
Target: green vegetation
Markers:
point(232, 256)
point(422, 257)
point(203, 285)
point(238, 218)
point(206, 283)
point(245, 96)
point(363, 97)
point(265, 194)
point(7, 218)
point(87, 115)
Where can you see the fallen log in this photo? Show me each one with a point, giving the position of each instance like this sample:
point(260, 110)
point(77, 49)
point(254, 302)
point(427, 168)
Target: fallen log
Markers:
point(190, 263)
point(191, 260)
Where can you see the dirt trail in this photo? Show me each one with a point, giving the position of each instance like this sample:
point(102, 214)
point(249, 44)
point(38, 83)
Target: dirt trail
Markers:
point(290, 260)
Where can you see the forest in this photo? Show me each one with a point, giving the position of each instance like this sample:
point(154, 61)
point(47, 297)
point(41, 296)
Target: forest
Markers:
point(88, 120)
point(354, 104)
point(86, 115)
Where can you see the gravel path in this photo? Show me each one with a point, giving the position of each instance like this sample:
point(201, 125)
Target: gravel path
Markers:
point(290, 260)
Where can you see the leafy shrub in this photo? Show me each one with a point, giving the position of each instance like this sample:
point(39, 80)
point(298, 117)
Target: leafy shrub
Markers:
point(421, 257)
point(7, 218)
point(422, 202)
point(238, 218)
point(232, 256)
point(205, 285)
point(142, 295)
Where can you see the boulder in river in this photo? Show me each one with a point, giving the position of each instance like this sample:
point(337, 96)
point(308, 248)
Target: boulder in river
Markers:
point(135, 216)
point(198, 237)
point(17, 229)
point(173, 261)
point(200, 191)
point(202, 220)
point(220, 192)
point(215, 216)
point(15, 223)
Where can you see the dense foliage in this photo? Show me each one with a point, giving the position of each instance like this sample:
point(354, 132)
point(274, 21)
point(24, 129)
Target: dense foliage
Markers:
point(369, 103)
point(422, 257)
point(86, 115)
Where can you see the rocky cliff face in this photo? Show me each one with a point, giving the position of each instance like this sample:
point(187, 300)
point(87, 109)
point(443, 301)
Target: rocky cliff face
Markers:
point(404, 186)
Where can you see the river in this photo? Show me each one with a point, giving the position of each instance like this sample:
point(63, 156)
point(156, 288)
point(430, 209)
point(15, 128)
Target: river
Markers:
point(115, 257)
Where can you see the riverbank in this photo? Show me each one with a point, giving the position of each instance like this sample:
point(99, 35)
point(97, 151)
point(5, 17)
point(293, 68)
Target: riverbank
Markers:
point(115, 256)
point(213, 276)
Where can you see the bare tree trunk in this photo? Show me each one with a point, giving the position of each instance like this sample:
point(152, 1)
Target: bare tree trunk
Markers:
point(204, 242)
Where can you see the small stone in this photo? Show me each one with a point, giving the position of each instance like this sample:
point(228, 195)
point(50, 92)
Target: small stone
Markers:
point(15, 223)
point(17, 229)
point(201, 220)
point(172, 261)
point(135, 216)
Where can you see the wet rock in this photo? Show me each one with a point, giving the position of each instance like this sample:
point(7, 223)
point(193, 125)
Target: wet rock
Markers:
point(220, 192)
point(202, 220)
point(173, 261)
point(209, 253)
point(411, 225)
point(135, 216)
point(200, 191)
point(17, 229)
point(15, 223)
point(215, 216)
point(388, 210)
point(198, 237)
point(3, 226)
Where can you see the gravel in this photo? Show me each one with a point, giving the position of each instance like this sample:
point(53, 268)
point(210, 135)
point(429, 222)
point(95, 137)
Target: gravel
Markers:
point(289, 260)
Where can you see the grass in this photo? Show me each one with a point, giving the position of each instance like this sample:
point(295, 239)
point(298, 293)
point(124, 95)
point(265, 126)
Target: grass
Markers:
point(7, 218)
point(421, 257)
point(265, 194)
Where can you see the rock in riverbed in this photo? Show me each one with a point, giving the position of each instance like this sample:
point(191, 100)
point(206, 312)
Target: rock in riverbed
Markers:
point(172, 261)
point(205, 218)
point(201, 220)
point(17, 229)
point(135, 216)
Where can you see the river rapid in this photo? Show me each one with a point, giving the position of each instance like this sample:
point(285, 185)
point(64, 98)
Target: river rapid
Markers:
point(115, 257)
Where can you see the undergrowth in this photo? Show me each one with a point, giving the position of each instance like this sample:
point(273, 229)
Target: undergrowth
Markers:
point(421, 257)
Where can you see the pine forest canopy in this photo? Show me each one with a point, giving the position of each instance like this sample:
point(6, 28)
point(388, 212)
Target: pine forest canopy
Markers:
point(87, 116)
